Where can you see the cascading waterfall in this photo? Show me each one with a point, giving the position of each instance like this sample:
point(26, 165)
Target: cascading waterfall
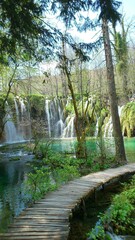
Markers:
point(108, 128)
point(10, 130)
point(111, 235)
point(18, 122)
point(69, 131)
point(57, 123)
point(114, 236)
point(60, 123)
point(25, 123)
point(55, 118)
point(17, 126)
point(17, 111)
point(11, 134)
point(108, 131)
point(23, 107)
point(96, 129)
point(58, 126)
point(48, 116)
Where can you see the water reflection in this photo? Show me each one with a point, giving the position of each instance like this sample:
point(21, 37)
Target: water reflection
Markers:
point(12, 175)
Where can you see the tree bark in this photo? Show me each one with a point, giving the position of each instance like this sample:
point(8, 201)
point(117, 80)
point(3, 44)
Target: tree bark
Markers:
point(118, 138)
point(80, 130)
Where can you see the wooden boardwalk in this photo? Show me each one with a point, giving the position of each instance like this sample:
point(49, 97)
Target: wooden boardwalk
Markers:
point(49, 218)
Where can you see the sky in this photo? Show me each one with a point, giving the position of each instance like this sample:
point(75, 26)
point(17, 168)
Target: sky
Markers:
point(127, 8)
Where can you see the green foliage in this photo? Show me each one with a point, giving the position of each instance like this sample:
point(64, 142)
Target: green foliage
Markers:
point(69, 108)
point(128, 119)
point(2, 111)
point(119, 216)
point(10, 101)
point(37, 102)
point(63, 175)
point(97, 233)
point(121, 210)
point(38, 183)
point(50, 172)
point(63, 167)
point(42, 149)
point(22, 21)
point(36, 98)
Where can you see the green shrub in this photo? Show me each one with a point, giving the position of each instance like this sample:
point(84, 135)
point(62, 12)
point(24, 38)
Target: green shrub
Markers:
point(119, 216)
point(38, 183)
point(50, 172)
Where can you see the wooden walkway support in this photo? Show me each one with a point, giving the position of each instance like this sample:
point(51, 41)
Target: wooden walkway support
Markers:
point(49, 218)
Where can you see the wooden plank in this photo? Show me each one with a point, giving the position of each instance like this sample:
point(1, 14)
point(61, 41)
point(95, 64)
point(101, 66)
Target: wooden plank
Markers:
point(34, 233)
point(44, 217)
point(64, 236)
point(37, 224)
point(38, 228)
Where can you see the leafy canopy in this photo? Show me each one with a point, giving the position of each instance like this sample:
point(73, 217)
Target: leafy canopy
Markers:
point(22, 27)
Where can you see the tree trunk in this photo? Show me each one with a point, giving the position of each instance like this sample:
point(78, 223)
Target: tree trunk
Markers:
point(124, 84)
point(79, 127)
point(80, 130)
point(119, 144)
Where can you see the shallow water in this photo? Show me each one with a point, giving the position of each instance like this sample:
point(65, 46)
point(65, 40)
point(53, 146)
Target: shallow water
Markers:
point(93, 145)
point(12, 175)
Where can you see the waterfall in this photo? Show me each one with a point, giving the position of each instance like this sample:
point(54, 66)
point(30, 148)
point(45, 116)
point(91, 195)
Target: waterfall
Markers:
point(17, 111)
point(58, 126)
point(108, 128)
point(18, 127)
point(48, 116)
point(25, 121)
point(60, 123)
point(96, 129)
point(108, 132)
point(23, 107)
point(114, 237)
point(109, 234)
point(19, 130)
point(11, 133)
point(55, 118)
point(69, 131)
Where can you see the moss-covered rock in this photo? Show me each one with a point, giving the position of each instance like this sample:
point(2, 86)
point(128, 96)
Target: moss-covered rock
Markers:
point(128, 119)
point(37, 103)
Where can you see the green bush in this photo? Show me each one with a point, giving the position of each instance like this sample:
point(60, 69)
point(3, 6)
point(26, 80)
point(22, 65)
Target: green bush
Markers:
point(119, 216)
point(50, 172)
point(38, 183)
point(128, 119)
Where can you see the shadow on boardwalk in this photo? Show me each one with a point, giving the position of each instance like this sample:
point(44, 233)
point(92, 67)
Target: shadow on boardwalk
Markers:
point(49, 218)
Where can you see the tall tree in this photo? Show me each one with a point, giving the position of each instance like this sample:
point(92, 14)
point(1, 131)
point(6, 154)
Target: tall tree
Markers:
point(109, 13)
point(66, 65)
